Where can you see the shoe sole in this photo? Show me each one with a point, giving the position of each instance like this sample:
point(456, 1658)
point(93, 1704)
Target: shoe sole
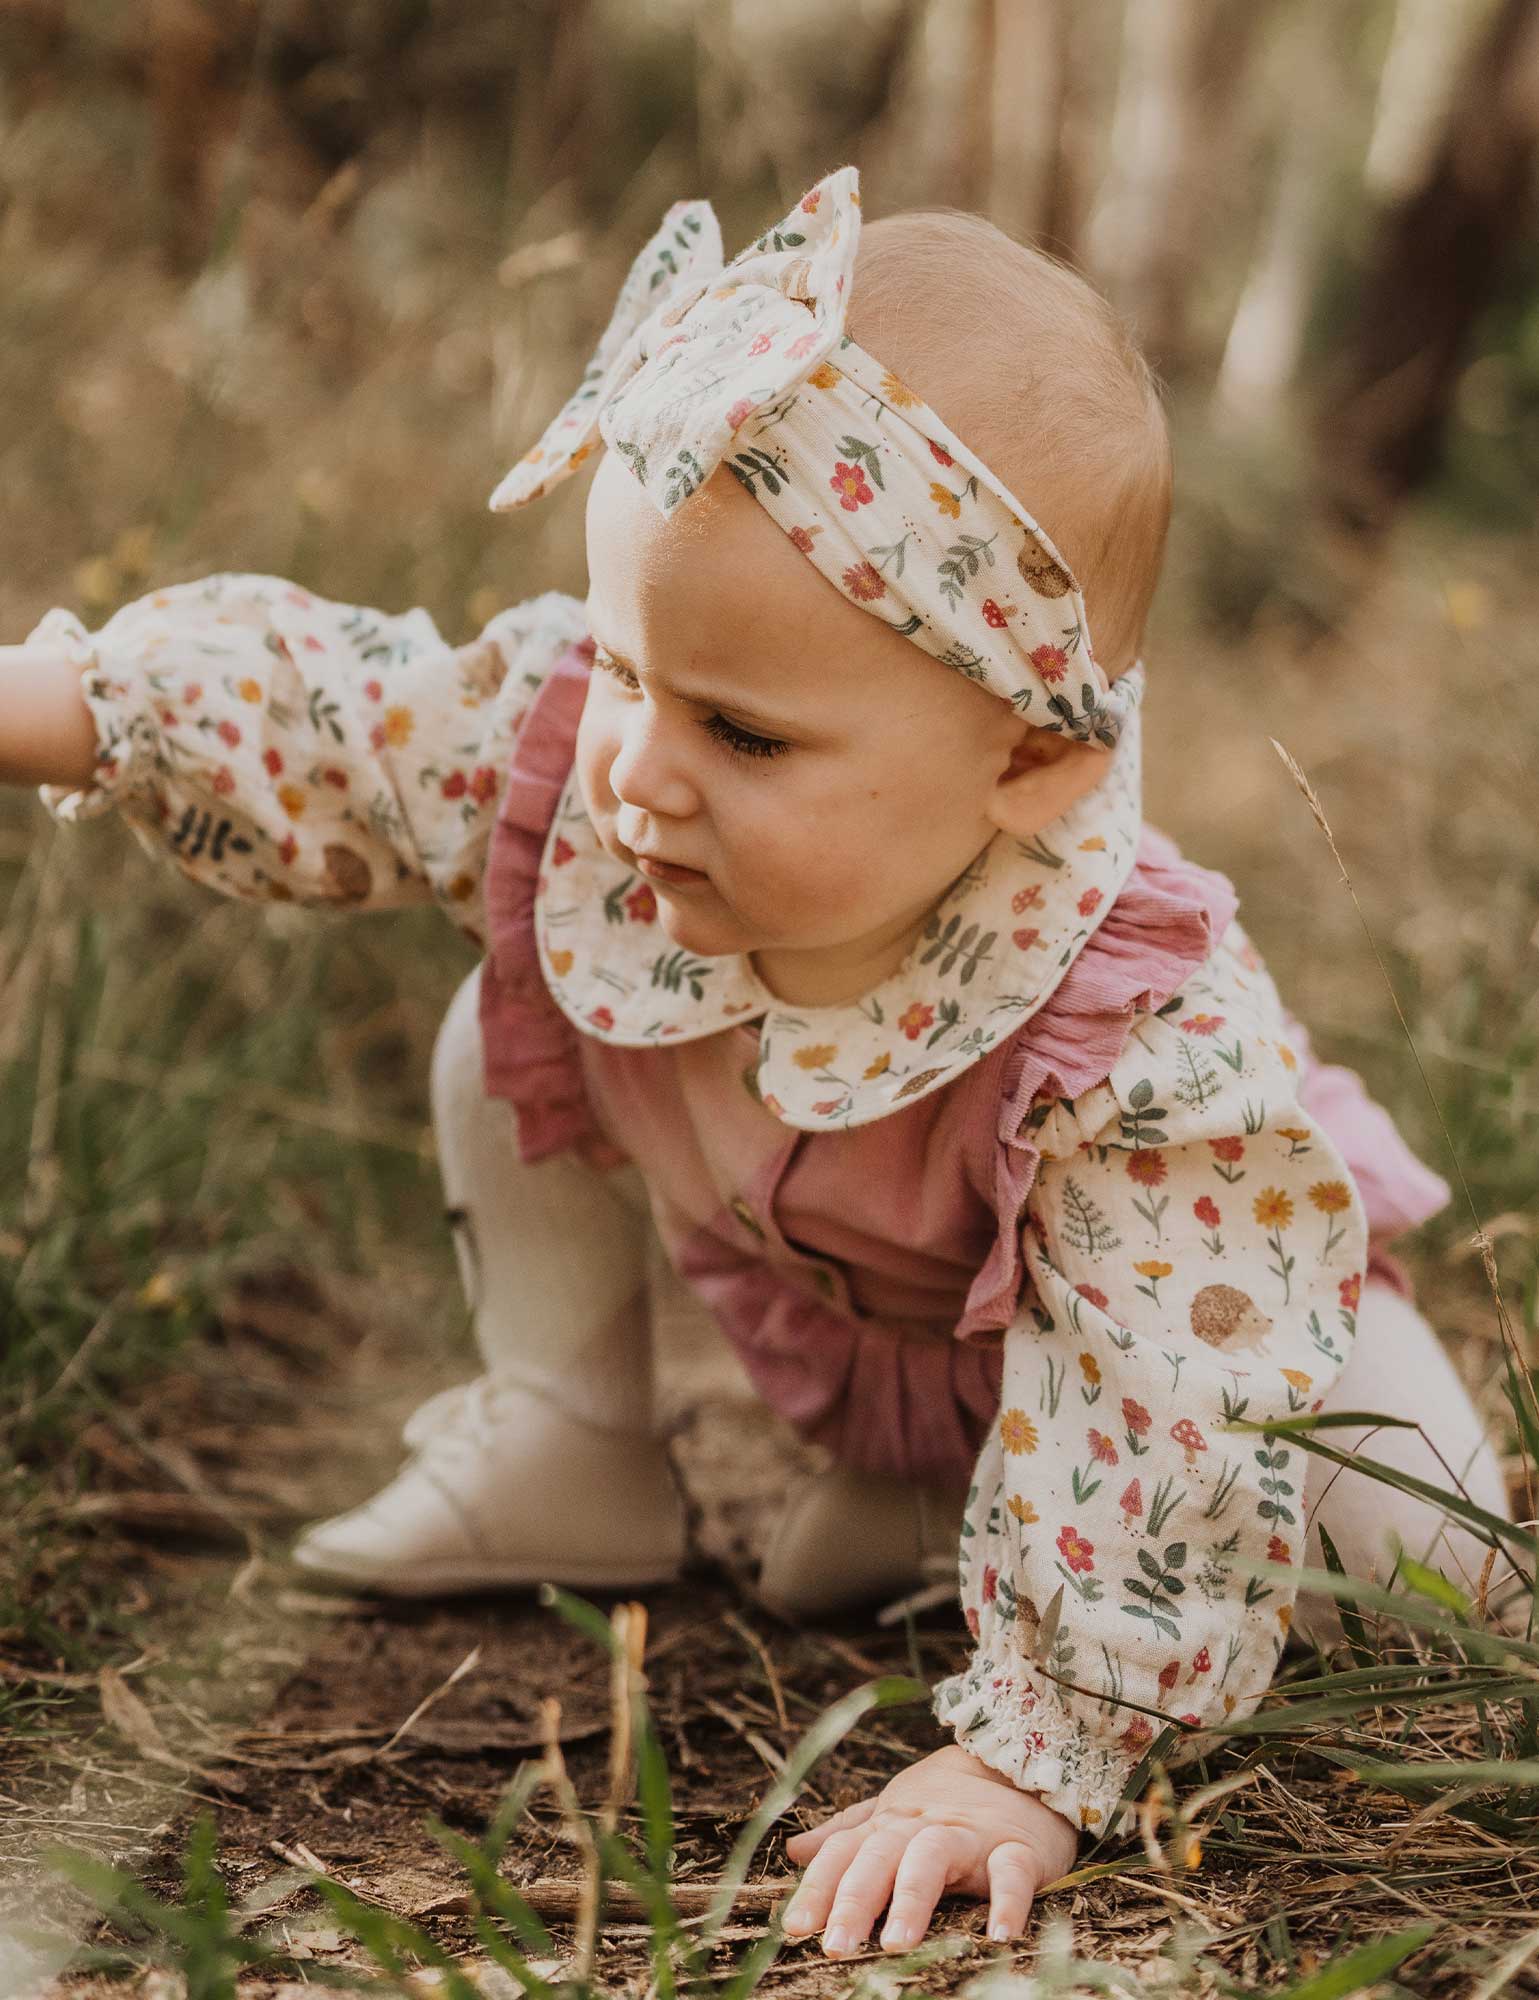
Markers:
point(459, 1579)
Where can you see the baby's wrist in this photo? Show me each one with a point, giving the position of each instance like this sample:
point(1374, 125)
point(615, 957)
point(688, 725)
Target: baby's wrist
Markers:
point(47, 732)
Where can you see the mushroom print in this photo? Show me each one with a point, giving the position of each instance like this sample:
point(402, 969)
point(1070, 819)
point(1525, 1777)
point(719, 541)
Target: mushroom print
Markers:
point(1190, 1439)
point(1224, 1316)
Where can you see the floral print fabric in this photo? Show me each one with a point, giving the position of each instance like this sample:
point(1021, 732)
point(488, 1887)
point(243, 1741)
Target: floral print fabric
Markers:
point(287, 748)
point(1196, 1248)
point(748, 365)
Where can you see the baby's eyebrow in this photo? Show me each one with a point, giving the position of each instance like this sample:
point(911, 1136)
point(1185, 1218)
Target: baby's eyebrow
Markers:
point(705, 697)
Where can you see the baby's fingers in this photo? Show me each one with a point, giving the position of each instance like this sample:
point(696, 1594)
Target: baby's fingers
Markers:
point(809, 1907)
point(802, 1846)
point(1014, 1876)
point(923, 1875)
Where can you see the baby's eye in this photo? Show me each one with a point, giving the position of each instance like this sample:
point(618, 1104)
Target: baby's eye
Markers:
point(740, 742)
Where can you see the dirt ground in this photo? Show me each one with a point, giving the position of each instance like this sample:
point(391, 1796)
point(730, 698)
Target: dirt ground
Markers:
point(324, 1732)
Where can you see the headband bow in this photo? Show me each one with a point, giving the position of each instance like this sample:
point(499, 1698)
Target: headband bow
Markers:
point(755, 371)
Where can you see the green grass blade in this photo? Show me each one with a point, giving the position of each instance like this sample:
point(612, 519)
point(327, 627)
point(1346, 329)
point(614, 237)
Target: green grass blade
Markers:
point(830, 1728)
point(1351, 1622)
point(1362, 1968)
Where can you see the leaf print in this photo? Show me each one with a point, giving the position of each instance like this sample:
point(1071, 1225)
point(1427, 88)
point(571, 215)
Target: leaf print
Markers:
point(757, 464)
point(1085, 1227)
point(868, 456)
point(1141, 1122)
point(675, 969)
point(963, 558)
point(1198, 1080)
point(1157, 1589)
point(948, 1014)
point(948, 946)
point(1164, 1503)
point(918, 1082)
point(1273, 1459)
point(891, 552)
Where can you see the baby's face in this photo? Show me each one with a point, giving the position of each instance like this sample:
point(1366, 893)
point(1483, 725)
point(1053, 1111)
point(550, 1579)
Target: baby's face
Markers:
point(825, 778)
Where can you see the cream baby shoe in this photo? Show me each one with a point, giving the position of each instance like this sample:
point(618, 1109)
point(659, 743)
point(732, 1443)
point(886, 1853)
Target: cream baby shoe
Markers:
point(848, 1538)
point(504, 1491)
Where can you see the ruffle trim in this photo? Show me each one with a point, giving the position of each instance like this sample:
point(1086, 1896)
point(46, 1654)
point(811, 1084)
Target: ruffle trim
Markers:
point(996, 1713)
point(532, 1054)
point(1164, 925)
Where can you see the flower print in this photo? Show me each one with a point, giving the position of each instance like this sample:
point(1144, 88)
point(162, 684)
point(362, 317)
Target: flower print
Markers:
point(273, 762)
point(915, 1018)
point(399, 724)
point(1135, 1416)
point(561, 963)
point(562, 852)
point(826, 1107)
point(878, 1066)
point(374, 690)
point(824, 376)
point(1289, 1059)
point(973, 1624)
point(1094, 1294)
point(293, 799)
point(849, 482)
point(601, 1017)
point(1277, 1550)
point(803, 344)
point(224, 780)
point(773, 1103)
point(897, 393)
point(249, 690)
point(1051, 662)
point(192, 693)
point(1152, 1269)
point(1090, 901)
point(1017, 1433)
point(939, 453)
point(1090, 1368)
point(1026, 940)
point(816, 1055)
point(334, 776)
point(1026, 899)
point(228, 733)
point(943, 498)
point(1350, 1291)
point(1101, 1447)
point(1138, 1735)
point(1228, 1148)
point(1147, 1167)
point(802, 539)
point(1273, 1208)
point(1297, 1377)
point(760, 344)
point(1132, 1502)
point(864, 582)
point(1075, 1550)
point(483, 784)
point(1202, 1024)
point(1094, 845)
point(288, 847)
point(455, 785)
point(1022, 1510)
point(641, 904)
point(990, 1588)
point(993, 615)
point(1205, 1208)
point(1331, 1197)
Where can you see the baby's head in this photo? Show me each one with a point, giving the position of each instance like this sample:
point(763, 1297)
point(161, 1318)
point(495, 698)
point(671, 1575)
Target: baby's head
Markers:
point(826, 777)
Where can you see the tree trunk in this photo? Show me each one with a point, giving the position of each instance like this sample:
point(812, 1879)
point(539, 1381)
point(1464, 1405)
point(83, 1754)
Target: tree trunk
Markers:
point(1439, 253)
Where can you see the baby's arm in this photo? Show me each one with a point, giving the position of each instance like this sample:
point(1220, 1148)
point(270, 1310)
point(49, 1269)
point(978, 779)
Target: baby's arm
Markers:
point(1194, 1244)
point(279, 746)
point(47, 736)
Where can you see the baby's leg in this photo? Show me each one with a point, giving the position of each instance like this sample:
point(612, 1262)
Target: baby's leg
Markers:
point(549, 1466)
point(1399, 1367)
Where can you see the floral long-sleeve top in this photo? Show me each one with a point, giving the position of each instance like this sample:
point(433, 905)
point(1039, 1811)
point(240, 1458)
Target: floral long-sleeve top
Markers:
point(1190, 1248)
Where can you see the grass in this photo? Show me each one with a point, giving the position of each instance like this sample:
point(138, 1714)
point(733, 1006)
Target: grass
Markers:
point(191, 1093)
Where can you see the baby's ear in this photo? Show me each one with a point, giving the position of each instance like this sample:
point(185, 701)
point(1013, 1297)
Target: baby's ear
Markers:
point(1047, 773)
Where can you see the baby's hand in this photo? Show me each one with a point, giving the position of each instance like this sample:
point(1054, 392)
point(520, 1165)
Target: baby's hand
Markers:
point(948, 1822)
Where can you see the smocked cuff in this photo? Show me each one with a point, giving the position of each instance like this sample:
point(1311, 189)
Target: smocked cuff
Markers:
point(125, 736)
point(994, 1711)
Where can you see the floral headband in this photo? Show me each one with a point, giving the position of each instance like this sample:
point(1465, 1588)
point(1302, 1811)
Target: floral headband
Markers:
point(756, 372)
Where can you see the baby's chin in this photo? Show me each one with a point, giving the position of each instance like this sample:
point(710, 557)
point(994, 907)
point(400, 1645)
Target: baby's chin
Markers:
point(695, 920)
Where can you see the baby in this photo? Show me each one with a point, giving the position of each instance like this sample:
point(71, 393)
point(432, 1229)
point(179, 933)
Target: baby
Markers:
point(825, 944)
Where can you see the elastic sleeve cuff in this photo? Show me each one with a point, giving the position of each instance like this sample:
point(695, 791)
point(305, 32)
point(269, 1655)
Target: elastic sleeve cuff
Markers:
point(125, 746)
point(994, 1712)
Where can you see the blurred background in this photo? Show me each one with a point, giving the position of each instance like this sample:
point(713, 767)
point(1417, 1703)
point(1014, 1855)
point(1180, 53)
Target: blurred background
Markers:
point(286, 285)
